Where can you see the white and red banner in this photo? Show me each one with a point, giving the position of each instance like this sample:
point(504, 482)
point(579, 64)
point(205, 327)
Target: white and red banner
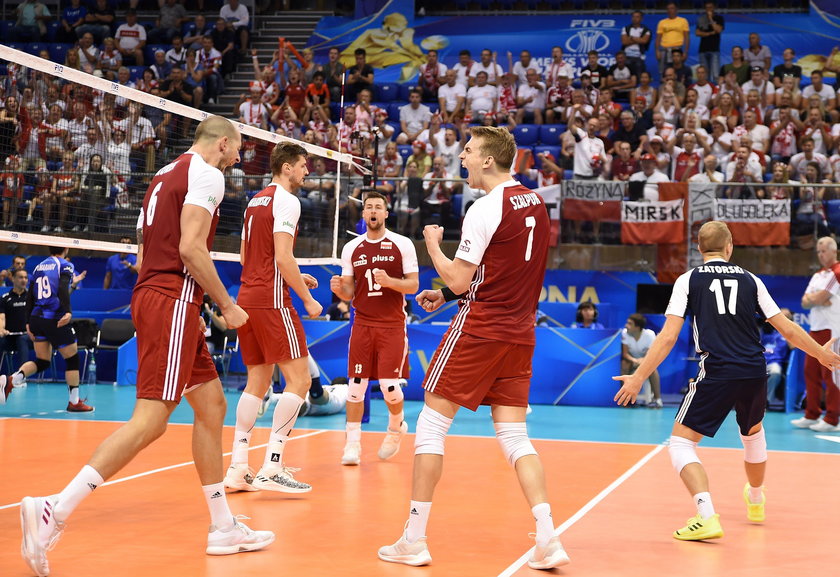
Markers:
point(552, 197)
point(755, 222)
point(660, 222)
point(592, 200)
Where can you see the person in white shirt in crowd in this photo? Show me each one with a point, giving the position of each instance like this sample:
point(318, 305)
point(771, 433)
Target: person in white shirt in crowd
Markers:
point(482, 100)
point(656, 146)
point(462, 68)
point(800, 160)
point(826, 92)
point(578, 108)
point(758, 81)
point(706, 91)
point(142, 136)
point(558, 67)
point(237, 18)
point(439, 193)
point(487, 65)
point(521, 68)
point(650, 176)
point(664, 130)
point(131, 39)
point(692, 126)
point(635, 39)
point(720, 140)
point(449, 147)
point(590, 159)
point(815, 127)
point(414, 118)
point(252, 110)
point(431, 77)
point(636, 340)
point(743, 170)
point(530, 99)
point(558, 96)
point(710, 172)
point(783, 135)
point(692, 107)
point(88, 54)
point(758, 133)
point(452, 97)
point(177, 55)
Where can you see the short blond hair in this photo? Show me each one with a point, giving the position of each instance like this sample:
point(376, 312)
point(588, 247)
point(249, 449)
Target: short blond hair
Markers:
point(496, 142)
point(213, 128)
point(714, 236)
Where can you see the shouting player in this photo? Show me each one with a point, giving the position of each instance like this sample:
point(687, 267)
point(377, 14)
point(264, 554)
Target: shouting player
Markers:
point(377, 270)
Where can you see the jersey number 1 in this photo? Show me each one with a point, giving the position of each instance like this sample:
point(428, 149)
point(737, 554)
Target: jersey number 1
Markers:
point(732, 285)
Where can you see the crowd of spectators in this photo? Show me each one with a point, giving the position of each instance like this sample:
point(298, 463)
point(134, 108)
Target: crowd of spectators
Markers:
point(738, 120)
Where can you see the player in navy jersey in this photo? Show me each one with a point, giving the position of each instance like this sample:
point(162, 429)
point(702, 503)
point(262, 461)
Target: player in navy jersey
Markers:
point(49, 313)
point(485, 356)
point(723, 299)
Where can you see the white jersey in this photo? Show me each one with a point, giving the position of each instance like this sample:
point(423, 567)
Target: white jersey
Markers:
point(130, 37)
point(450, 95)
point(482, 98)
point(826, 317)
point(494, 71)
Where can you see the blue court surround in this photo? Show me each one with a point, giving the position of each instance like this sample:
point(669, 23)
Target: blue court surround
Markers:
point(596, 424)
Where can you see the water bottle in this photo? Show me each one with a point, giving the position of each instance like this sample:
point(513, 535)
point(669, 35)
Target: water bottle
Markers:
point(91, 376)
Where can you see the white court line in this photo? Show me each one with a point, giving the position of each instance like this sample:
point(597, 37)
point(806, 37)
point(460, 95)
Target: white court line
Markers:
point(179, 465)
point(515, 566)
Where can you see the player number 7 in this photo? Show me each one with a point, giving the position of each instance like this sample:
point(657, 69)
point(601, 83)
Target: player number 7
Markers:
point(531, 223)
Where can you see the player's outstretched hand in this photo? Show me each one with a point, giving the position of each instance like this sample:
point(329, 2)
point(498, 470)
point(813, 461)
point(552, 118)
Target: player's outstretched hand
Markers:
point(433, 233)
point(335, 284)
point(313, 308)
point(430, 300)
point(829, 358)
point(235, 316)
point(310, 281)
point(630, 388)
point(64, 320)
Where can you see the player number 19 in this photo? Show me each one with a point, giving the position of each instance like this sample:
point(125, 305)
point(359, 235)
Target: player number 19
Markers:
point(44, 288)
point(531, 223)
point(717, 290)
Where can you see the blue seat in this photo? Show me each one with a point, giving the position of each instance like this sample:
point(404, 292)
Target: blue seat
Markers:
point(404, 90)
point(832, 214)
point(538, 150)
point(395, 124)
point(526, 134)
point(149, 52)
point(457, 201)
point(136, 72)
point(335, 111)
point(394, 111)
point(52, 29)
point(550, 133)
point(568, 174)
point(58, 52)
point(433, 106)
point(387, 91)
point(404, 150)
point(6, 28)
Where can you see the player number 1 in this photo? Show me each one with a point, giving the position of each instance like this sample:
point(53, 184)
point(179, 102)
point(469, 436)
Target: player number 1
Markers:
point(531, 223)
point(732, 285)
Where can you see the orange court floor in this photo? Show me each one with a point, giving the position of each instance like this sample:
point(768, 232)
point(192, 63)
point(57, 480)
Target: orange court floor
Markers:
point(615, 504)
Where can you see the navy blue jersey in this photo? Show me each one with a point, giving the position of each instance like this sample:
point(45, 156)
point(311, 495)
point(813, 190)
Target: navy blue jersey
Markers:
point(724, 299)
point(44, 286)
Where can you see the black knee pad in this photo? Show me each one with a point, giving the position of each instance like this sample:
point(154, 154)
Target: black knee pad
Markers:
point(41, 365)
point(72, 363)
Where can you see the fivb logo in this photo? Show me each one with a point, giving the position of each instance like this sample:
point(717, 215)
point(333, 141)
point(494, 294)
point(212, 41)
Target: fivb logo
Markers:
point(591, 37)
point(115, 87)
point(59, 69)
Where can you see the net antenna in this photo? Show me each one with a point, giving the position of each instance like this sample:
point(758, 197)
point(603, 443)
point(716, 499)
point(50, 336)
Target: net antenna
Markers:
point(108, 87)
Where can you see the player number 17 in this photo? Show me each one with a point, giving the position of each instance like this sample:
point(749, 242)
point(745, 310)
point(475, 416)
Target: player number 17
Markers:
point(717, 290)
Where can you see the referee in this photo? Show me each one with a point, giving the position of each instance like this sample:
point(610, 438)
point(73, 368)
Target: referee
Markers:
point(723, 299)
point(13, 316)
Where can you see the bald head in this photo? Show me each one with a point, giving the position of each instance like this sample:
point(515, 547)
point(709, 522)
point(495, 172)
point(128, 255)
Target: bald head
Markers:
point(213, 128)
point(828, 243)
point(714, 237)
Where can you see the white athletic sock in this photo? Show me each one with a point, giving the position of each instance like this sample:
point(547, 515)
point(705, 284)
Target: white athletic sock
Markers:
point(74, 395)
point(17, 378)
point(285, 414)
point(74, 493)
point(354, 432)
point(394, 421)
point(220, 514)
point(755, 494)
point(703, 501)
point(545, 524)
point(246, 416)
point(418, 518)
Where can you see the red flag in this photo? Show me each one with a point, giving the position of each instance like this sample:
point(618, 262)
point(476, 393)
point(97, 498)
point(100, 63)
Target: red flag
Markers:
point(660, 222)
point(592, 200)
point(755, 222)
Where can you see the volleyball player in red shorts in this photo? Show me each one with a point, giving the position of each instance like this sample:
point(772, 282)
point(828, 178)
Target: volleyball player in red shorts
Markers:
point(273, 333)
point(485, 356)
point(180, 215)
point(377, 270)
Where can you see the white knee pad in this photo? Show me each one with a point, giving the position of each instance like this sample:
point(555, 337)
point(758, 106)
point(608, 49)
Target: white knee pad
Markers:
point(683, 452)
point(432, 428)
point(391, 390)
point(513, 438)
point(755, 447)
point(356, 390)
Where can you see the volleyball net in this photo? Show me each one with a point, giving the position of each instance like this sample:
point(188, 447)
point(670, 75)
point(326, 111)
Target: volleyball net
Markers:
point(77, 152)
